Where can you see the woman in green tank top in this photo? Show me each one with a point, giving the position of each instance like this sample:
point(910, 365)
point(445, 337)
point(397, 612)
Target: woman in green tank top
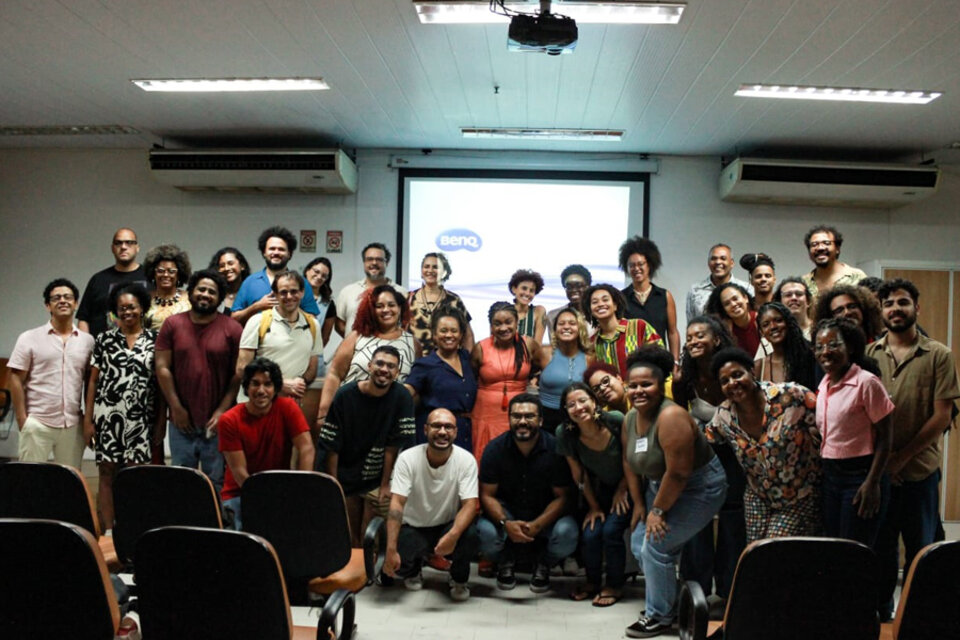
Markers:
point(676, 482)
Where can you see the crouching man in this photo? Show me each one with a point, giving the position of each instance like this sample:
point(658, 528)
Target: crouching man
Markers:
point(433, 504)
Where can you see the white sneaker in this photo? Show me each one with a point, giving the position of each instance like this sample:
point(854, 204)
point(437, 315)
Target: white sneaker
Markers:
point(459, 592)
point(414, 583)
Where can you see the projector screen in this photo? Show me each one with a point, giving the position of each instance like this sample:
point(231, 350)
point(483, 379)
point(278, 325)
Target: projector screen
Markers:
point(491, 223)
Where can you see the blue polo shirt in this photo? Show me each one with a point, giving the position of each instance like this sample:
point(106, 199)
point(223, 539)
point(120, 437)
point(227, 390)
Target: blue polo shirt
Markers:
point(257, 285)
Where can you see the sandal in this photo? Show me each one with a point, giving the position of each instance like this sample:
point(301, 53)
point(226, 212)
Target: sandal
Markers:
point(584, 592)
point(607, 599)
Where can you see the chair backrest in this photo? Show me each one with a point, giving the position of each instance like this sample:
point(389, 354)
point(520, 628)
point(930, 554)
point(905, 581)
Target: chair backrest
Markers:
point(304, 516)
point(150, 496)
point(210, 583)
point(797, 587)
point(55, 583)
point(47, 490)
point(930, 601)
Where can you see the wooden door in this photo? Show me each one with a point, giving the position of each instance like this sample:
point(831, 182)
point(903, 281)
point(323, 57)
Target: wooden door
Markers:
point(934, 316)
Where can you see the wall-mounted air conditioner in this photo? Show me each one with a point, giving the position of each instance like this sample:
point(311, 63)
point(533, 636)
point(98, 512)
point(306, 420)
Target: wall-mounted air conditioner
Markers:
point(258, 170)
point(826, 184)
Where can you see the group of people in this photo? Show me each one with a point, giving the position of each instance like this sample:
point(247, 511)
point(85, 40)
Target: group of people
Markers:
point(809, 407)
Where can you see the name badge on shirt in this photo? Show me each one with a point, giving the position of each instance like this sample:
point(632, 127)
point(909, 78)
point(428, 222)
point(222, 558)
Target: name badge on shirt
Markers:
point(641, 446)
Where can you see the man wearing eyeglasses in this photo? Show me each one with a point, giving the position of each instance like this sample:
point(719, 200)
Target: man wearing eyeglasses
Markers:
point(376, 257)
point(277, 245)
point(823, 245)
point(575, 279)
point(368, 423)
point(93, 315)
point(48, 367)
point(524, 488)
point(432, 507)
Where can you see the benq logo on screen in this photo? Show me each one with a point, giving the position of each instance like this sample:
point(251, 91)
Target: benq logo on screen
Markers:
point(456, 239)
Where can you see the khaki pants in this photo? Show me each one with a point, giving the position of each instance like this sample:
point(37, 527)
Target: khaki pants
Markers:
point(37, 441)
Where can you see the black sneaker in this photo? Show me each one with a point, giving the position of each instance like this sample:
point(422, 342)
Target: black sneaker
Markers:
point(647, 628)
point(506, 579)
point(540, 580)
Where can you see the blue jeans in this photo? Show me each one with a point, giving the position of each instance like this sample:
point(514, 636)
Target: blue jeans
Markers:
point(233, 505)
point(702, 562)
point(841, 480)
point(192, 449)
point(606, 538)
point(701, 499)
point(913, 513)
point(560, 538)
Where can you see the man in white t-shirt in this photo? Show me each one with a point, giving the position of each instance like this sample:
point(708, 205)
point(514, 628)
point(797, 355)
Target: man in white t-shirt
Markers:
point(434, 502)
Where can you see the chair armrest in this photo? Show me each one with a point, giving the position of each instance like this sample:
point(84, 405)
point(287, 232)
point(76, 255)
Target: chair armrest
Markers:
point(339, 600)
point(692, 612)
point(374, 541)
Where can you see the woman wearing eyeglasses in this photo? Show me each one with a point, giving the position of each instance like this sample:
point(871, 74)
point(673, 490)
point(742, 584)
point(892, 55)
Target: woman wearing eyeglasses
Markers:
point(607, 384)
point(167, 269)
point(640, 260)
point(589, 438)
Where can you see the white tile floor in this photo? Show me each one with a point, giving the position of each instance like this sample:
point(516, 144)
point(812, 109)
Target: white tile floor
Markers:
point(490, 614)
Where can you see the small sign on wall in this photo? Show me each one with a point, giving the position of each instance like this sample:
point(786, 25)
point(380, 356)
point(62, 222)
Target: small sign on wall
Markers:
point(308, 241)
point(334, 241)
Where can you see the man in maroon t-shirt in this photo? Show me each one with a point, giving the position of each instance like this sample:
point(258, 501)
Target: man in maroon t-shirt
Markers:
point(260, 434)
point(196, 363)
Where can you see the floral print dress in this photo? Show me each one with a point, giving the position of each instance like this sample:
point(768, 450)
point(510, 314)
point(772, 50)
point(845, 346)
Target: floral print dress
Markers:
point(782, 466)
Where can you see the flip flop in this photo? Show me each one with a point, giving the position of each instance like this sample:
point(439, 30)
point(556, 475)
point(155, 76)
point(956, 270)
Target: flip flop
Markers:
point(583, 592)
point(606, 599)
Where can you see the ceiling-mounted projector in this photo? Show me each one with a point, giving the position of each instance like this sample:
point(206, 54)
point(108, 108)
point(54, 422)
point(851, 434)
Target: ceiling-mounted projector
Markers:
point(545, 32)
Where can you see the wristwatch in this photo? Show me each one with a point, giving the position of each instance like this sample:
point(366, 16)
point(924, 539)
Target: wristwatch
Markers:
point(502, 523)
point(657, 511)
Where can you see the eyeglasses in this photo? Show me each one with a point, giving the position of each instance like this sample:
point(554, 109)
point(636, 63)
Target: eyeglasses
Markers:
point(524, 417)
point(66, 297)
point(128, 307)
point(120, 243)
point(289, 293)
point(822, 243)
point(833, 345)
point(850, 306)
point(442, 426)
point(378, 260)
point(604, 383)
point(160, 271)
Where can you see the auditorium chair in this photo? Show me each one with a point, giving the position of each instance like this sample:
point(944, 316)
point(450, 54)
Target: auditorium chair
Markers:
point(930, 600)
point(150, 496)
point(304, 516)
point(55, 582)
point(210, 583)
point(52, 491)
point(791, 589)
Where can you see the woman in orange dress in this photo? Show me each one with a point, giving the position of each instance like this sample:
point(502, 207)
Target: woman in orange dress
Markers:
point(503, 364)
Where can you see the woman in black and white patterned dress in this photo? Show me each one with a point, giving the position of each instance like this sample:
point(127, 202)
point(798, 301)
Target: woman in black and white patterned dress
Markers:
point(124, 410)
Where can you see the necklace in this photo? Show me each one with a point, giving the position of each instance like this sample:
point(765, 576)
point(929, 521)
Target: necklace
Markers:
point(166, 302)
point(426, 301)
point(643, 295)
point(504, 401)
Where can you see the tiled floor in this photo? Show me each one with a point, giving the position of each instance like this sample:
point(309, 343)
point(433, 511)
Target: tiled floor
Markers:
point(490, 614)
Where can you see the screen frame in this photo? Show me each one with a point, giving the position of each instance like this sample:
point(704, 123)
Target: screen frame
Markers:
point(523, 175)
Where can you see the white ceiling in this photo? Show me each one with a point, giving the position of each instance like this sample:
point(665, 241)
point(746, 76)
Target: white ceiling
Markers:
point(401, 84)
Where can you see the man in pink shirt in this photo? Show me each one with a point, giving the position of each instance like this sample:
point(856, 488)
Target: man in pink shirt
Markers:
point(49, 366)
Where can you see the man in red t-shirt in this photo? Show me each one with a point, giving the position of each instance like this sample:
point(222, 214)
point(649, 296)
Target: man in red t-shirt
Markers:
point(260, 434)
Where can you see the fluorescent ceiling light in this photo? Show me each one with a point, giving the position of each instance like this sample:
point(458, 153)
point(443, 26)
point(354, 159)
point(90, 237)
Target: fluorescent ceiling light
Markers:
point(581, 135)
point(613, 11)
point(845, 94)
point(230, 84)
point(69, 130)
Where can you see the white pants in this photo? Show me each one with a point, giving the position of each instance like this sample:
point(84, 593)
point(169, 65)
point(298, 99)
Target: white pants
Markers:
point(38, 440)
